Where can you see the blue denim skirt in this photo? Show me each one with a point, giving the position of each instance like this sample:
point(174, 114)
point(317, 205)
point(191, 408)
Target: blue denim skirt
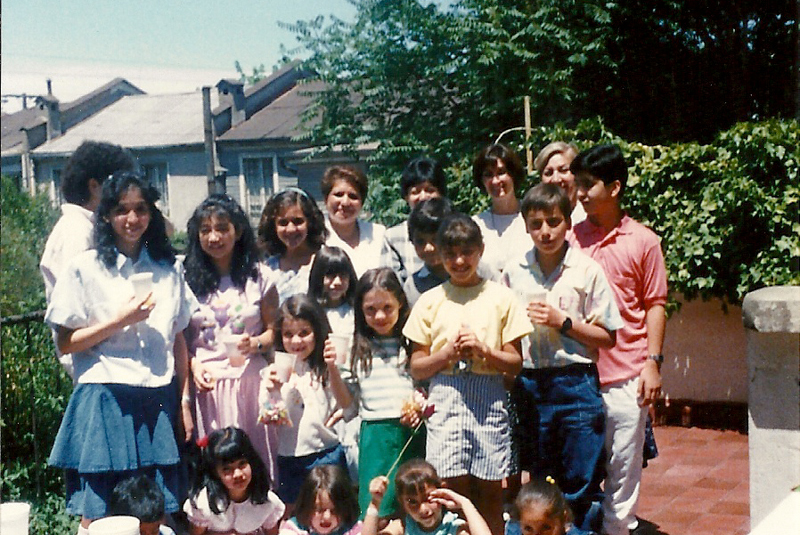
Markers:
point(111, 432)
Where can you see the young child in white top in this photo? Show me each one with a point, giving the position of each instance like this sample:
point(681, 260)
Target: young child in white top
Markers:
point(311, 396)
point(231, 493)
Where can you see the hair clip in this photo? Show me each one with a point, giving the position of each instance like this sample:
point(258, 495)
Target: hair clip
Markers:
point(202, 442)
point(550, 480)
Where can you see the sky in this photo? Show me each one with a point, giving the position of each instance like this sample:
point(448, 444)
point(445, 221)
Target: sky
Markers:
point(160, 46)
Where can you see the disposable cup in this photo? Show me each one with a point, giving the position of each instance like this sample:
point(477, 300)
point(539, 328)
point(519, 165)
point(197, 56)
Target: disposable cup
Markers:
point(115, 525)
point(284, 364)
point(142, 284)
point(14, 518)
point(537, 296)
point(342, 344)
point(231, 343)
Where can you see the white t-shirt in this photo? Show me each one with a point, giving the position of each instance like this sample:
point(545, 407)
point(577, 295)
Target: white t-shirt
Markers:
point(504, 237)
point(372, 250)
point(244, 517)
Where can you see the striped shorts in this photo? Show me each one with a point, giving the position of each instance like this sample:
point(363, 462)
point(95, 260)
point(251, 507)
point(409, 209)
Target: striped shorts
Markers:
point(468, 433)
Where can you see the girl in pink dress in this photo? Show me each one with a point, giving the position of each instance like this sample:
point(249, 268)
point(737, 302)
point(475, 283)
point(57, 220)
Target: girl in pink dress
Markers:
point(230, 333)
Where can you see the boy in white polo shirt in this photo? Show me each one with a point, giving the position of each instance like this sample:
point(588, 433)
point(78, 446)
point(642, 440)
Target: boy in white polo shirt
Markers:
point(572, 308)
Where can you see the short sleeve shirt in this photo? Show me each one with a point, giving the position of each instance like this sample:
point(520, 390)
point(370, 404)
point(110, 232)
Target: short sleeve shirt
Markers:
point(489, 309)
point(631, 257)
point(88, 293)
point(244, 517)
point(578, 288)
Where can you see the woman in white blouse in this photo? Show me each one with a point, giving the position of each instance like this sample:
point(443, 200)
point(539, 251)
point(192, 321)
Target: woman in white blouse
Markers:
point(345, 188)
point(130, 358)
point(498, 172)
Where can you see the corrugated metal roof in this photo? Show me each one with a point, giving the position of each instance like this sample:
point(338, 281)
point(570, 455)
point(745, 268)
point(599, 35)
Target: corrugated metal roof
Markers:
point(139, 122)
point(13, 123)
point(281, 119)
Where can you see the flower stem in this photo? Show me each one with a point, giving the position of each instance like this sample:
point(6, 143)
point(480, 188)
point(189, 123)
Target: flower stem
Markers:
point(408, 442)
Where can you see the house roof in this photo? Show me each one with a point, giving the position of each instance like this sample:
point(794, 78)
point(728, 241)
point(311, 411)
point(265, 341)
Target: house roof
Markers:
point(71, 113)
point(281, 119)
point(138, 122)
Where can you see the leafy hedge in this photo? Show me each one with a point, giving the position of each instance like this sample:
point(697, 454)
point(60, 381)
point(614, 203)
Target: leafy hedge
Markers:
point(727, 212)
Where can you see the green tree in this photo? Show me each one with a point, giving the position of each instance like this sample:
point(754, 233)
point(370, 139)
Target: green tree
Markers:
point(26, 223)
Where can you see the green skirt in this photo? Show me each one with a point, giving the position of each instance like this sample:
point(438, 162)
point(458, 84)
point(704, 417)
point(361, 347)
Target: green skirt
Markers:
point(379, 446)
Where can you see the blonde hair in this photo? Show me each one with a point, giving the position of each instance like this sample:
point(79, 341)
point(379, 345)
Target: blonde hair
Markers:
point(550, 150)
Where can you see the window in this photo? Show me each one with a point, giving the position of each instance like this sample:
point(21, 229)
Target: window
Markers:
point(56, 194)
point(258, 183)
point(156, 175)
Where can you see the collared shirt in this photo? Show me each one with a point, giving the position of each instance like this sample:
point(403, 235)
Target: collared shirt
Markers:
point(578, 288)
point(420, 282)
point(489, 309)
point(631, 257)
point(87, 293)
point(405, 261)
point(71, 235)
point(372, 250)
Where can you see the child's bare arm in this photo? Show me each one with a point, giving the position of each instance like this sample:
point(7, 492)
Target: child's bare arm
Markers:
point(586, 333)
point(377, 490)
point(476, 525)
point(425, 365)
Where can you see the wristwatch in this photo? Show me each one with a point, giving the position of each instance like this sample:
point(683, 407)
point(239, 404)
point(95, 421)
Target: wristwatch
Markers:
point(658, 358)
point(567, 325)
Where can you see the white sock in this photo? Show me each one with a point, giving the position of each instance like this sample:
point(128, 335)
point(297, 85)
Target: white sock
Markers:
point(82, 530)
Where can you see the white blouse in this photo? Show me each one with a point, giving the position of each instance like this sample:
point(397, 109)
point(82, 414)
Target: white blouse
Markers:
point(88, 293)
point(244, 517)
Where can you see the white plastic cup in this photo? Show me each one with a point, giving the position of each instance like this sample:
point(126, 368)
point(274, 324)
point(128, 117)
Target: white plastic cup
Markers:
point(231, 343)
point(14, 518)
point(342, 344)
point(114, 525)
point(537, 296)
point(142, 284)
point(284, 365)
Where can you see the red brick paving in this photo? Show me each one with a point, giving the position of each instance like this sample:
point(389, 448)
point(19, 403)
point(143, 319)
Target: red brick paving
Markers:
point(698, 485)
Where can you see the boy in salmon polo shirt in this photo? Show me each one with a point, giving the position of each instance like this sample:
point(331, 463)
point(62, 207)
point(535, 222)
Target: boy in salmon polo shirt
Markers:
point(630, 372)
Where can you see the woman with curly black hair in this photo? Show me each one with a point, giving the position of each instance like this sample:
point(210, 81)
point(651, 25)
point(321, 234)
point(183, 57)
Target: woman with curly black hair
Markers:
point(291, 231)
point(232, 329)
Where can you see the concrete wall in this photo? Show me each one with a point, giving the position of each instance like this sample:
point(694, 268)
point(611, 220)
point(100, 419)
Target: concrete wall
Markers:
point(772, 319)
point(705, 357)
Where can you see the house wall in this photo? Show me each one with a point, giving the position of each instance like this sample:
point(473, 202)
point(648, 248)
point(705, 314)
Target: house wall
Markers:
point(705, 353)
point(188, 185)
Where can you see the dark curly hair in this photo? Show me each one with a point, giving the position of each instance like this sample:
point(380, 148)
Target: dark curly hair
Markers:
point(202, 276)
point(385, 279)
point(267, 234)
point(489, 156)
point(301, 306)
point(155, 238)
point(92, 160)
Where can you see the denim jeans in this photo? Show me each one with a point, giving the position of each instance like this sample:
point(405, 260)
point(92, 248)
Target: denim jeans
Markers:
point(561, 434)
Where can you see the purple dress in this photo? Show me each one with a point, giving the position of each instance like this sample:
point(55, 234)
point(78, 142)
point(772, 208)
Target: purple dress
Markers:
point(234, 399)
